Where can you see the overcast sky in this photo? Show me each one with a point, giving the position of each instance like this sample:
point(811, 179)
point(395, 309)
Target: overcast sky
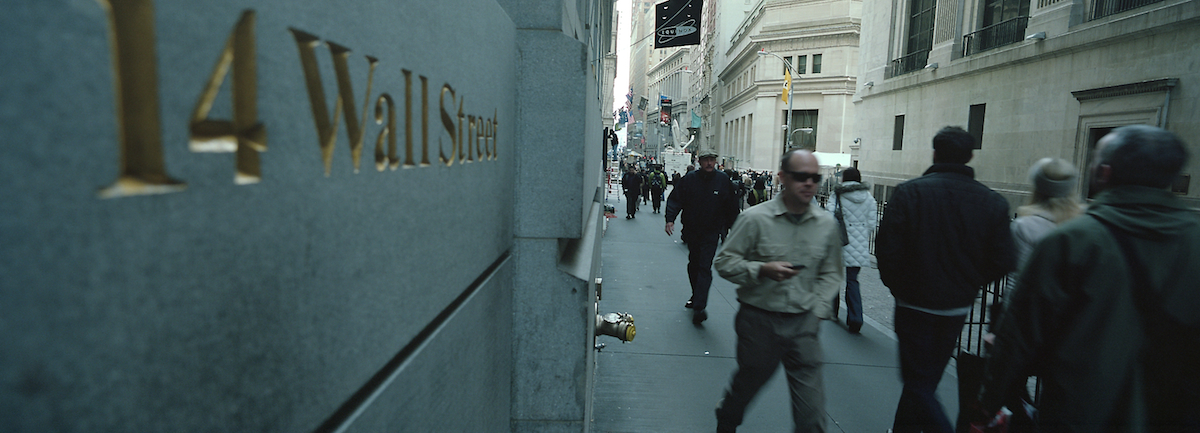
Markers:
point(621, 85)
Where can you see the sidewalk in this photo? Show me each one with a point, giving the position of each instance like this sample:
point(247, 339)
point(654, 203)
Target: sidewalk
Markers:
point(670, 377)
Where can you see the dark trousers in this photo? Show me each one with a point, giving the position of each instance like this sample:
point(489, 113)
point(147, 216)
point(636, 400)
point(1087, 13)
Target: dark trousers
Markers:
point(854, 312)
point(765, 340)
point(631, 203)
point(656, 194)
point(701, 250)
point(926, 343)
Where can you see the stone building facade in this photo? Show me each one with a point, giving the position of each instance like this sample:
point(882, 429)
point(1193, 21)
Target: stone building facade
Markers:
point(300, 216)
point(820, 42)
point(1029, 78)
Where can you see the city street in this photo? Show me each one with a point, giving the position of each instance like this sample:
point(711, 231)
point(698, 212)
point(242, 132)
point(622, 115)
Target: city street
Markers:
point(670, 377)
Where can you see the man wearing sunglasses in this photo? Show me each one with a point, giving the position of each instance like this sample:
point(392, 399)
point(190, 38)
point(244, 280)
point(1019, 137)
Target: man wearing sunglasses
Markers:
point(708, 204)
point(785, 255)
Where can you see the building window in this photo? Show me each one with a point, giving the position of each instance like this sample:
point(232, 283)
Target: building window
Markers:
point(1003, 22)
point(919, 38)
point(898, 133)
point(1103, 8)
point(803, 129)
point(975, 124)
point(787, 65)
point(816, 63)
point(800, 67)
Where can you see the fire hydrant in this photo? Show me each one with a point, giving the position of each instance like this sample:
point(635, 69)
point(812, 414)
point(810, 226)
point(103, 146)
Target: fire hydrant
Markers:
point(618, 325)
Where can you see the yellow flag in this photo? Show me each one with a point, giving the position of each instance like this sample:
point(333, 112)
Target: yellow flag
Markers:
point(787, 86)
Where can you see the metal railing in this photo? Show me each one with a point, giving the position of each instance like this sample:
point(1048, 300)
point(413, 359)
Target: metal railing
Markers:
point(995, 36)
point(1103, 8)
point(909, 63)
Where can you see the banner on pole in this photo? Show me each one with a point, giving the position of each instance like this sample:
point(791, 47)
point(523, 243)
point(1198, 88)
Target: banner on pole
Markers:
point(677, 23)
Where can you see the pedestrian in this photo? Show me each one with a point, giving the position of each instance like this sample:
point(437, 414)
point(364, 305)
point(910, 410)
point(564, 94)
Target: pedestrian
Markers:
point(758, 194)
point(1054, 201)
point(859, 214)
point(786, 258)
point(943, 236)
point(646, 184)
point(739, 186)
point(658, 183)
point(705, 198)
point(631, 183)
point(675, 177)
point(1106, 310)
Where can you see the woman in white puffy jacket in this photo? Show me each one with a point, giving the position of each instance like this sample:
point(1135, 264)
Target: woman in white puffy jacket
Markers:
point(859, 213)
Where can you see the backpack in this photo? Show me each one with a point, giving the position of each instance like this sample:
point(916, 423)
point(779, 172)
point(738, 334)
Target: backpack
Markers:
point(656, 180)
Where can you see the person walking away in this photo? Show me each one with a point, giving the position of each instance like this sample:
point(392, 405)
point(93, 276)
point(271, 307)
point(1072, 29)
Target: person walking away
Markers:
point(631, 183)
point(943, 236)
point(1106, 310)
point(739, 187)
point(758, 194)
point(646, 184)
point(860, 215)
point(786, 258)
point(658, 183)
point(1054, 201)
point(705, 199)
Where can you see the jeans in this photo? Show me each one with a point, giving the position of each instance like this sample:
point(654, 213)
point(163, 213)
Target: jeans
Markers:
point(701, 250)
point(854, 312)
point(926, 343)
point(766, 339)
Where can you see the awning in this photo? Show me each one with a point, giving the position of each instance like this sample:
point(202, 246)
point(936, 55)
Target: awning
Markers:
point(827, 159)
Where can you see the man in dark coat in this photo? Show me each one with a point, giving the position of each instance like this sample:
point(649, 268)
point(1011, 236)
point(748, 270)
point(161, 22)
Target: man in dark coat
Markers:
point(943, 236)
point(1106, 310)
point(631, 182)
point(709, 206)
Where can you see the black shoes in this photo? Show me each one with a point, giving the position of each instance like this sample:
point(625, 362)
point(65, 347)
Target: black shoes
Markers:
point(688, 304)
point(699, 316)
point(856, 328)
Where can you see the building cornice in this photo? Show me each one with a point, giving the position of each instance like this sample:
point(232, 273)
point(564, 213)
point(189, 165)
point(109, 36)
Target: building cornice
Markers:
point(1150, 86)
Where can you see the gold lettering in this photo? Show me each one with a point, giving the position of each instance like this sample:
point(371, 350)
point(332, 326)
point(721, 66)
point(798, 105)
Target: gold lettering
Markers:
point(385, 100)
point(487, 135)
point(461, 137)
point(141, 168)
point(425, 122)
point(354, 129)
point(448, 124)
point(495, 124)
point(326, 127)
point(245, 135)
point(473, 139)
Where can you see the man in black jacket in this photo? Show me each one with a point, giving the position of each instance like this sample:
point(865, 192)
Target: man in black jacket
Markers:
point(943, 236)
point(631, 182)
point(709, 206)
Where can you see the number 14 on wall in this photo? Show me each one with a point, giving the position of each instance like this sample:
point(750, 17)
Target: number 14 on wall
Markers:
point(135, 81)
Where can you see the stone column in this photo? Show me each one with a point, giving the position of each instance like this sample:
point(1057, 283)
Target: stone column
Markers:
point(557, 216)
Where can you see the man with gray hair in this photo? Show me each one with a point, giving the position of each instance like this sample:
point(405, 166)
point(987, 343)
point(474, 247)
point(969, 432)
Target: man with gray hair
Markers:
point(1107, 310)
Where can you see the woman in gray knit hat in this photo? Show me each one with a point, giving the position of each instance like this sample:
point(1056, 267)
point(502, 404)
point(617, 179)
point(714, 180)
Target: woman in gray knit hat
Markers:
point(1053, 202)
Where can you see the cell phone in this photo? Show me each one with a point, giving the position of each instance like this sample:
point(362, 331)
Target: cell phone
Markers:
point(796, 266)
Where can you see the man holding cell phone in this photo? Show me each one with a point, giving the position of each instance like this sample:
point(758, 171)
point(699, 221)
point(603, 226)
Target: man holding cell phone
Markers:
point(785, 255)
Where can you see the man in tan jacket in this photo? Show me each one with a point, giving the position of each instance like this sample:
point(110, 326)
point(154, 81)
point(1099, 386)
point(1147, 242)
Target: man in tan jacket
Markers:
point(786, 258)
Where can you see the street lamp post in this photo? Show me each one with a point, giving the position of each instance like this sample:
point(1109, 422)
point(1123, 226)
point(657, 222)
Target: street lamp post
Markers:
point(787, 144)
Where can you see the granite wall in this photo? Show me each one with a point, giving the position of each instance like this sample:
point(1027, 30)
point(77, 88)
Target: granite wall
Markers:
point(204, 225)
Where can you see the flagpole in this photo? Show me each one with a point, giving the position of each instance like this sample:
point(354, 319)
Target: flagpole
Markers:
point(787, 127)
